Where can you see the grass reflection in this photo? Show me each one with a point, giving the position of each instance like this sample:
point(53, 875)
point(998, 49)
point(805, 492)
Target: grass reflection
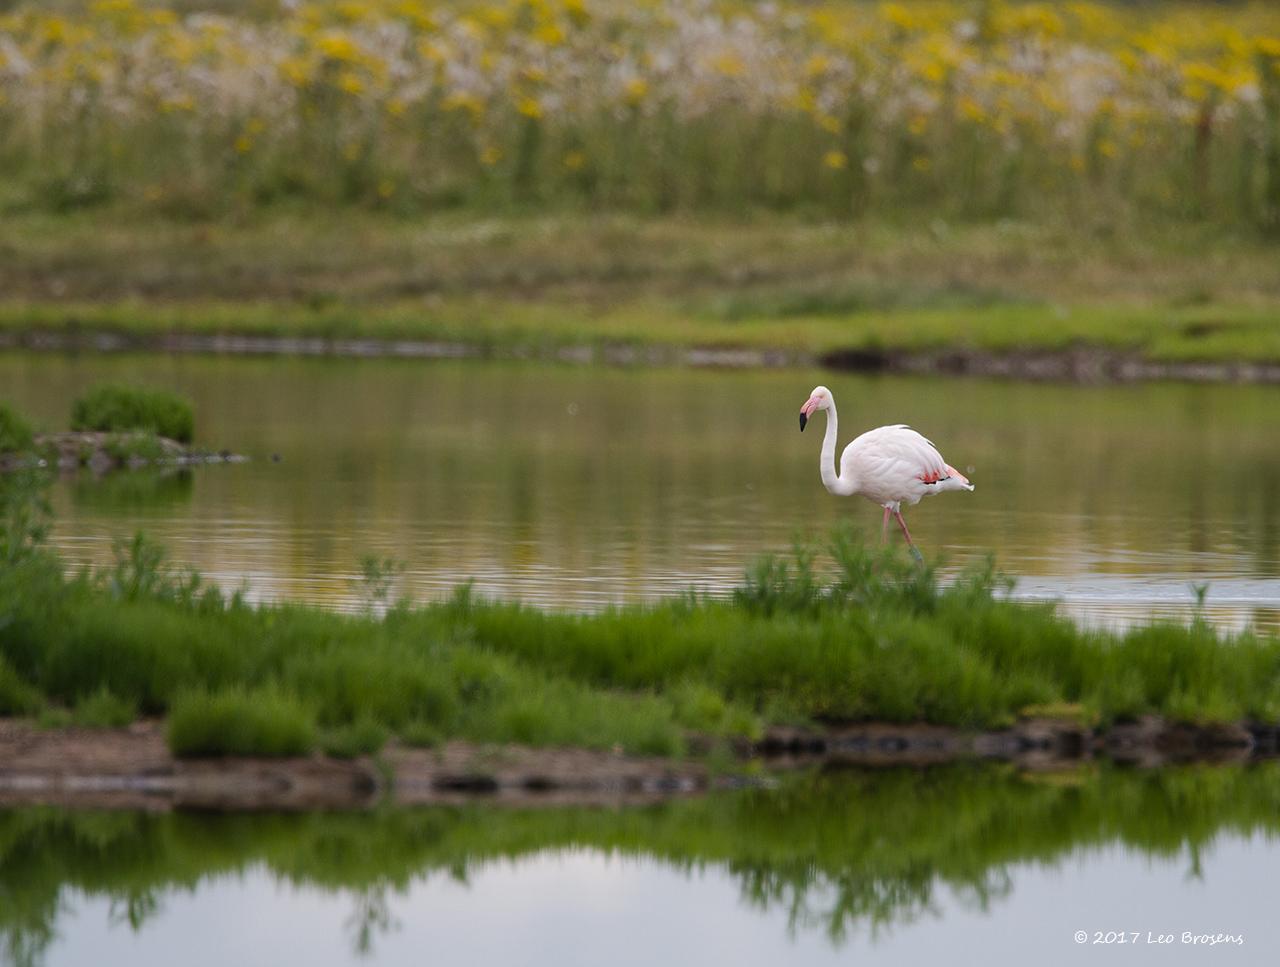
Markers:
point(842, 852)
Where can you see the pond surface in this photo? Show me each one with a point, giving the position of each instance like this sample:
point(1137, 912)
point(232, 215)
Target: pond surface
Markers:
point(899, 866)
point(579, 487)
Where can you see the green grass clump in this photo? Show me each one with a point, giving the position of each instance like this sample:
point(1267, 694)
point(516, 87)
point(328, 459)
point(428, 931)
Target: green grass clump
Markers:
point(134, 446)
point(103, 710)
point(16, 435)
point(17, 697)
point(240, 721)
point(119, 409)
point(420, 735)
point(364, 737)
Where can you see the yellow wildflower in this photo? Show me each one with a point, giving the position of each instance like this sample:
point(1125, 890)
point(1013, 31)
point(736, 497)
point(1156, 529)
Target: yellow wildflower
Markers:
point(463, 101)
point(729, 64)
point(550, 34)
point(835, 160)
point(349, 81)
point(296, 71)
point(339, 47)
point(829, 124)
point(636, 89)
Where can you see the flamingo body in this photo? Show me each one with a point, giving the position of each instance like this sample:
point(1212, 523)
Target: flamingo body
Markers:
point(890, 465)
point(895, 465)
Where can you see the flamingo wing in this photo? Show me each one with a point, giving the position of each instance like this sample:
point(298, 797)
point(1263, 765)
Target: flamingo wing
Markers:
point(895, 463)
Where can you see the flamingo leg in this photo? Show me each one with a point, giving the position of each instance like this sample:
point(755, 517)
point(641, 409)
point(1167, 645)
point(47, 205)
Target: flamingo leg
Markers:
point(915, 551)
point(884, 527)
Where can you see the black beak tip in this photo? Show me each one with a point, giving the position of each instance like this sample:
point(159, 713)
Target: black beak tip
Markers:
point(803, 420)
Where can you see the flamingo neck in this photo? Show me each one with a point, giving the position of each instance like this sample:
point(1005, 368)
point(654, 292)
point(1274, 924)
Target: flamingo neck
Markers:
point(831, 478)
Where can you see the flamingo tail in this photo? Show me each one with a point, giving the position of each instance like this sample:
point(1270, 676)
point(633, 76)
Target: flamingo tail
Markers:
point(955, 480)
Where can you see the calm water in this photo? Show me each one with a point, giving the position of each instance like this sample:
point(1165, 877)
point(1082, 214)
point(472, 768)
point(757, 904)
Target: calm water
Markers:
point(957, 865)
point(577, 487)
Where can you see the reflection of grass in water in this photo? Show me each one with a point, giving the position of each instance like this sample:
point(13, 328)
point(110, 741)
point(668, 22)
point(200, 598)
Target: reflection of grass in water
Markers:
point(837, 852)
point(132, 489)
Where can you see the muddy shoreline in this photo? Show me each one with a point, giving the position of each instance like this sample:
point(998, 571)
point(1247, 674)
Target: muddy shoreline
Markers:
point(1076, 364)
point(131, 768)
point(102, 452)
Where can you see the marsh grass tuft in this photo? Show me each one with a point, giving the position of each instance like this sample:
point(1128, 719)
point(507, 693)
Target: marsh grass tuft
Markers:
point(16, 435)
point(24, 517)
point(240, 721)
point(379, 577)
point(120, 409)
point(17, 697)
point(103, 710)
point(362, 737)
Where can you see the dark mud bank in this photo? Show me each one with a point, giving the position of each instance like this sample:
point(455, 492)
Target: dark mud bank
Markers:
point(133, 768)
point(1076, 364)
point(1032, 742)
point(1082, 364)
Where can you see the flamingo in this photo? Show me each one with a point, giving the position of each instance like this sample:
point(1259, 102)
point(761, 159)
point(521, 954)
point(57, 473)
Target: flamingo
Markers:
point(887, 465)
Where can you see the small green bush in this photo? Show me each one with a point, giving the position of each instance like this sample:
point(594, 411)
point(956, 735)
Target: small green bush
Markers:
point(104, 710)
point(17, 697)
point(54, 717)
point(421, 735)
point(364, 737)
point(117, 409)
point(135, 446)
point(15, 432)
point(240, 721)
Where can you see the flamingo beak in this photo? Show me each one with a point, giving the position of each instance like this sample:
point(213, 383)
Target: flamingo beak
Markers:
point(805, 410)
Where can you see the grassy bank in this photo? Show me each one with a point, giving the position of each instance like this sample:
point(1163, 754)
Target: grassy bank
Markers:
point(851, 635)
point(537, 283)
point(803, 178)
point(837, 852)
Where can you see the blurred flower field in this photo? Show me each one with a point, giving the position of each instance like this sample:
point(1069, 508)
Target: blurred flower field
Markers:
point(963, 108)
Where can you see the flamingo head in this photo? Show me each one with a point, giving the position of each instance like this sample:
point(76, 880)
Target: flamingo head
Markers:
point(819, 399)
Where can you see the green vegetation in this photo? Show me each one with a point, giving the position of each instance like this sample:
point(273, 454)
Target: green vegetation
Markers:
point(359, 189)
point(363, 737)
point(240, 721)
point(15, 433)
point(864, 635)
point(539, 284)
point(102, 710)
point(120, 409)
point(835, 852)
